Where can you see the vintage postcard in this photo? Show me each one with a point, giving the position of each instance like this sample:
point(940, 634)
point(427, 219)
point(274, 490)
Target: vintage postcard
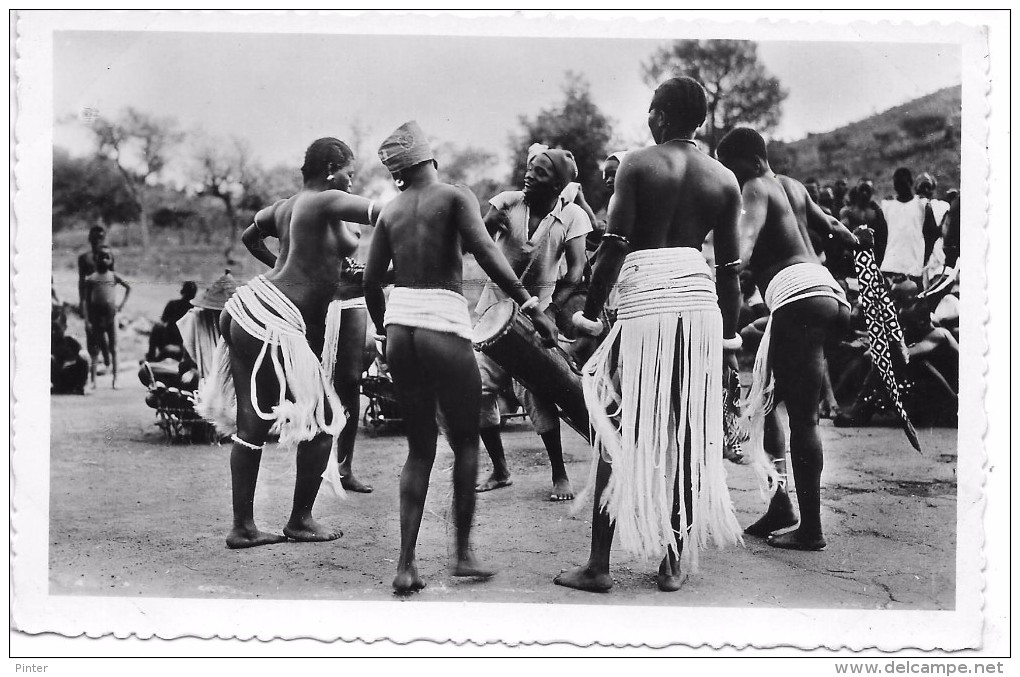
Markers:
point(635, 330)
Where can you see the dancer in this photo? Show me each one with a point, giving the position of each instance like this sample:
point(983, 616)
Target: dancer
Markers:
point(426, 333)
point(273, 331)
point(535, 229)
point(100, 310)
point(808, 309)
point(654, 386)
point(345, 336)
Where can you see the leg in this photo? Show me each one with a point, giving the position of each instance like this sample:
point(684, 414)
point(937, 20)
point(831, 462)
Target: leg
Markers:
point(669, 577)
point(801, 332)
point(829, 407)
point(450, 365)
point(545, 418)
point(593, 576)
point(111, 342)
point(245, 461)
point(312, 457)
point(493, 380)
point(780, 513)
point(349, 359)
point(418, 403)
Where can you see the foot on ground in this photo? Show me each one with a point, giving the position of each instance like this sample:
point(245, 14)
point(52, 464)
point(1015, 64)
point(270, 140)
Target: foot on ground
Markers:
point(494, 482)
point(407, 581)
point(352, 483)
point(562, 491)
point(582, 578)
point(310, 531)
point(669, 578)
point(780, 515)
point(794, 540)
point(469, 567)
point(250, 538)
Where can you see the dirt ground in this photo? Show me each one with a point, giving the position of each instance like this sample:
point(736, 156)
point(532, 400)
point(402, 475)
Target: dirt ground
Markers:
point(133, 515)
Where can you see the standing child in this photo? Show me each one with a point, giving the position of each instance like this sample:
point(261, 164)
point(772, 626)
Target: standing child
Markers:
point(100, 308)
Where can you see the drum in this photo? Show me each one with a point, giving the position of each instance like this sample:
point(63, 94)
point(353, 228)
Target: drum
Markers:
point(506, 335)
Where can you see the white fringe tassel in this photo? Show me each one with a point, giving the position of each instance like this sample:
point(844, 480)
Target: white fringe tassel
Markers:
point(628, 386)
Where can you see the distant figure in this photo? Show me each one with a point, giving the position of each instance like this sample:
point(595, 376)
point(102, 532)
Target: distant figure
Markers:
point(200, 330)
point(87, 266)
point(863, 210)
point(100, 310)
point(165, 339)
point(912, 231)
point(839, 191)
point(69, 366)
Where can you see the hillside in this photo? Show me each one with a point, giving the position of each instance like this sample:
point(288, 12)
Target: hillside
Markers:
point(923, 135)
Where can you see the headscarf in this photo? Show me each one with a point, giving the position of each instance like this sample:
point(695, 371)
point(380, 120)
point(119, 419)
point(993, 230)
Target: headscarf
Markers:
point(925, 178)
point(562, 161)
point(405, 147)
point(617, 155)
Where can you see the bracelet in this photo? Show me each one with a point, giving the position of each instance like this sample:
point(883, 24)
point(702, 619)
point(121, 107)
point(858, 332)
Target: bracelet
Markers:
point(733, 343)
point(616, 236)
point(529, 304)
point(586, 326)
point(731, 264)
point(371, 206)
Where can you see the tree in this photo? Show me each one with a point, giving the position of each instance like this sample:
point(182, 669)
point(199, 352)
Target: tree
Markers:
point(89, 190)
point(576, 125)
point(740, 91)
point(224, 170)
point(139, 146)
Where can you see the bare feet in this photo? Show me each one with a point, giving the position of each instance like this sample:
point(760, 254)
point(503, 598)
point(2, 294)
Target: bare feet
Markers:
point(670, 578)
point(780, 515)
point(310, 531)
point(467, 566)
point(407, 581)
point(251, 537)
point(352, 483)
point(583, 578)
point(562, 491)
point(794, 540)
point(494, 482)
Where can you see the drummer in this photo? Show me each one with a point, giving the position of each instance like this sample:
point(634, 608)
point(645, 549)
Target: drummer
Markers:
point(535, 228)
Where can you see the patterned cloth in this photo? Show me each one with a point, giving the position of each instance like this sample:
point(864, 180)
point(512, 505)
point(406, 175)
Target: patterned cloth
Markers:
point(883, 331)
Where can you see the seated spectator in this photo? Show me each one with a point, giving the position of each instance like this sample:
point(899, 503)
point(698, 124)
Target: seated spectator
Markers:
point(69, 362)
point(165, 339)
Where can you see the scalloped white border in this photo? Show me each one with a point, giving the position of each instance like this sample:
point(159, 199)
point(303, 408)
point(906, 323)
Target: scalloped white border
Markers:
point(35, 611)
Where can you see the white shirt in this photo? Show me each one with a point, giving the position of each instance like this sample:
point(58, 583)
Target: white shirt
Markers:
point(904, 252)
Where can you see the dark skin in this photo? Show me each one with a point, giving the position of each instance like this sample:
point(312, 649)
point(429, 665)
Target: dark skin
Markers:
point(314, 237)
point(541, 191)
point(423, 231)
point(929, 229)
point(668, 195)
point(353, 329)
point(777, 211)
point(864, 211)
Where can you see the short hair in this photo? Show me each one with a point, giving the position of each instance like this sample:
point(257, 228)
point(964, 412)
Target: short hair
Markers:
point(742, 143)
point(109, 249)
point(95, 232)
point(323, 153)
point(189, 289)
point(903, 174)
point(683, 102)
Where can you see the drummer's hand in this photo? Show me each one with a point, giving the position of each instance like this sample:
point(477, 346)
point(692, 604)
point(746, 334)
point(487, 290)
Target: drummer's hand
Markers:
point(582, 348)
point(546, 329)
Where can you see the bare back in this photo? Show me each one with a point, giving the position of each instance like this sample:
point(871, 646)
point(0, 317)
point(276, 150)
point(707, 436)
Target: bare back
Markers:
point(776, 209)
point(673, 196)
point(421, 226)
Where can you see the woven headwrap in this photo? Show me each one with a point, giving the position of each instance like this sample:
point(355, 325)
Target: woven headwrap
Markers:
point(405, 147)
point(563, 164)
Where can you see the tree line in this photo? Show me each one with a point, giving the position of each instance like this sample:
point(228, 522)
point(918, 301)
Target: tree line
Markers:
point(148, 172)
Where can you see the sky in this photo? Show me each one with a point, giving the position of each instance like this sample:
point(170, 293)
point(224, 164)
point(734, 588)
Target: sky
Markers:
point(281, 91)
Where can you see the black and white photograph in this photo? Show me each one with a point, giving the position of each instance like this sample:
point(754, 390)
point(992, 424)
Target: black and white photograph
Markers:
point(503, 327)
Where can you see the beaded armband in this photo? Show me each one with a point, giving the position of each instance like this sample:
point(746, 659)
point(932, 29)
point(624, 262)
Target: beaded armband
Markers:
point(616, 236)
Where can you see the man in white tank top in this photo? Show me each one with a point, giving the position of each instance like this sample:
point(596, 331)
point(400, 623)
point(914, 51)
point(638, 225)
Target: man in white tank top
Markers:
point(912, 230)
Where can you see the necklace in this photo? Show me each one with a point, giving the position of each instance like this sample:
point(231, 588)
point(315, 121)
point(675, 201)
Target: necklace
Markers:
point(690, 141)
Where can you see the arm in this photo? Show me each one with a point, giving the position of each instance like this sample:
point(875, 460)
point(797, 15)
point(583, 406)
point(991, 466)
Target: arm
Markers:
point(930, 231)
point(583, 204)
point(254, 236)
point(127, 290)
point(616, 242)
point(574, 254)
point(86, 286)
point(881, 229)
point(81, 285)
point(495, 220)
point(951, 238)
point(726, 238)
point(830, 227)
point(379, 256)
